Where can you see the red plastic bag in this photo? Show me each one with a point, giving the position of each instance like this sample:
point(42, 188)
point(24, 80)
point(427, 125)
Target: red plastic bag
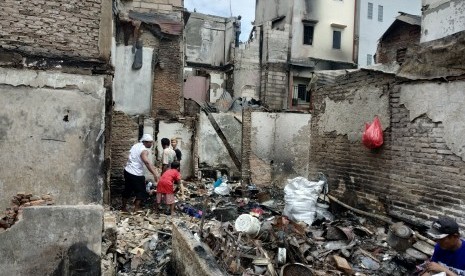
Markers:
point(373, 135)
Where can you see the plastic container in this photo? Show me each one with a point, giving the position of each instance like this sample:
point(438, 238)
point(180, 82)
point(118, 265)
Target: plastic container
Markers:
point(247, 224)
point(148, 187)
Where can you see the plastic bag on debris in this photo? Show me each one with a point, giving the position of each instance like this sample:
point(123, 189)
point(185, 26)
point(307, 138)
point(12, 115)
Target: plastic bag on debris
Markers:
point(373, 135)
point(223, 189)
point(300, 199)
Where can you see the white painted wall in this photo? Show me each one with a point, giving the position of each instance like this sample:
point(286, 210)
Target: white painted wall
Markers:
point(208, 39)
point(212, 151)
point(326, 13)
point(217, 84)
point(432, 99)
point(132, 89)
point(371, 30)
point(184, 135)
point(442, 18)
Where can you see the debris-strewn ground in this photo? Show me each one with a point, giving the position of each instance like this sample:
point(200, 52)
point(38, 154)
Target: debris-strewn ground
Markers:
point(140, 243)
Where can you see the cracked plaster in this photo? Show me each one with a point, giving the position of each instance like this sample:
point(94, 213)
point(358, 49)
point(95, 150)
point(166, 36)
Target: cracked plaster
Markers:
point(349, 117)
point(441, 102)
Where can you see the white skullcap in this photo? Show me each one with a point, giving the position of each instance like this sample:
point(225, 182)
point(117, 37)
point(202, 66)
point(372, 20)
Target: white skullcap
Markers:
point(146, 138)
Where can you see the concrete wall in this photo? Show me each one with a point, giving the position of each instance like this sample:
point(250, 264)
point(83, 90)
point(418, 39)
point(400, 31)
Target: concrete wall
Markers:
point(79, 29)
point(280, 145)
point(132, 89)
point(266, 10)
point(191, 257)
point(208, 39)
point(247, 71)
point(370, 30)
point(217, 85)
point(442, 18)
point(53, 240)
point(418, 173)
point(325, 13)
point(58, 119)
point(211, 149)
point(183, 132)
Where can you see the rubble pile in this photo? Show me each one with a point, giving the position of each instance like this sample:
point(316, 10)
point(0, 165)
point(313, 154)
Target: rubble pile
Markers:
point(249, 235)
point(136, 244)
point(18, 203)
point(250, 232)
point(326, 248)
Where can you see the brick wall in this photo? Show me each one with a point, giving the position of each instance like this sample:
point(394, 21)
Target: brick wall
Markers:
point(426, 177)
point(168, 80)
point(124, 134)
point(51, 28)
point(404, 36)
point(413, 175)
point(246, 145)
point(274, 86)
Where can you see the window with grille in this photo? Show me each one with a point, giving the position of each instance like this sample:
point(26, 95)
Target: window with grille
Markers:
point(380, 13)
point(308, 34)
point(336, 39)
point(370, 10)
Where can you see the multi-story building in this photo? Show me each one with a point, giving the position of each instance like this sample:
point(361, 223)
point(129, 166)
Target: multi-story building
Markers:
point(373, 18)
point(297, 38)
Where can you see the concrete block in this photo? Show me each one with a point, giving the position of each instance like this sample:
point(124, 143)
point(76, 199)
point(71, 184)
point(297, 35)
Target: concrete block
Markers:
point(165, 7)
point(146, 5)
point(176, 3)
point(190, 257)
point(53, 240)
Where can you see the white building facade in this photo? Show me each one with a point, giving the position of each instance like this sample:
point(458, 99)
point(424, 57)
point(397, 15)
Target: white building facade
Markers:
point(442, 18)
point(373, 19)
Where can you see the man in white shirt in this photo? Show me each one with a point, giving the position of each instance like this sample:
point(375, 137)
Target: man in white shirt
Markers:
point(134, 178)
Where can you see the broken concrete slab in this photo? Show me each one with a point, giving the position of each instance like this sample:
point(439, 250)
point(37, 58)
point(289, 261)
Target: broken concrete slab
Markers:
point(53, 240)
point(191, 257)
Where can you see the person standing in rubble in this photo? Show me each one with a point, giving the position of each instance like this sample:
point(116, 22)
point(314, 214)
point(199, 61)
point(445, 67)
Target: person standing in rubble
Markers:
point(168, 155)
point(134, 179)
point(174, 145)
point(165, 187)
point(449, 252)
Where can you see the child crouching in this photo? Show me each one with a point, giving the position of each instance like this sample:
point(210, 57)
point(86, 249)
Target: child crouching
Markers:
point(165, 187)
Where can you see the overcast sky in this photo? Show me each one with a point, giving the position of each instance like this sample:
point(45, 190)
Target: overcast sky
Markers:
point(227, 8)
